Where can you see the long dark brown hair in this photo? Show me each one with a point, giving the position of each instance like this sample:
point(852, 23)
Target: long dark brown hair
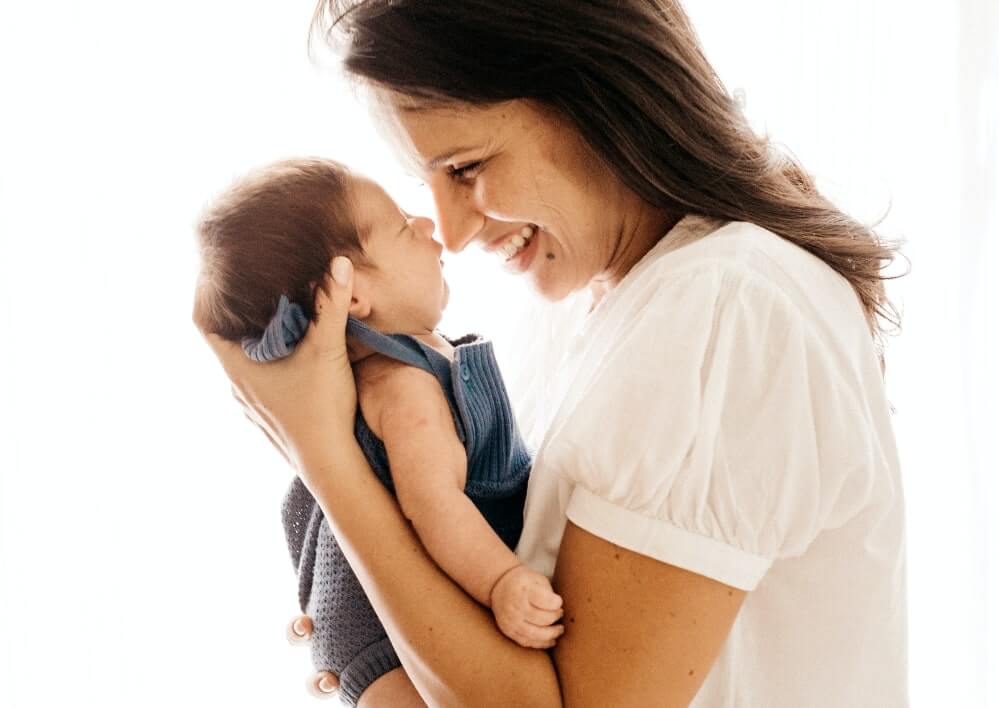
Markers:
point(632, 77)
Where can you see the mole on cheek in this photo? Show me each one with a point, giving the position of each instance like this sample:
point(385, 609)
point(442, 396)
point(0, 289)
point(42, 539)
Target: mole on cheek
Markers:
point(550, 256)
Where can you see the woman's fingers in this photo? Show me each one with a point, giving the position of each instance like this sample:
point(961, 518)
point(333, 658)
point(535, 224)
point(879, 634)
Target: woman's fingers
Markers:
point(270, 437)
point(334, 293)
point(230, 355)
point(324, 684)
point(300, 630)
point(332, 305)
point(312, 389)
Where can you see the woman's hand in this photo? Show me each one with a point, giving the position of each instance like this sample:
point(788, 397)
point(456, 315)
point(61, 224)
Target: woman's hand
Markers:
point(393, 688)
point(322, 684)
point(309, 396)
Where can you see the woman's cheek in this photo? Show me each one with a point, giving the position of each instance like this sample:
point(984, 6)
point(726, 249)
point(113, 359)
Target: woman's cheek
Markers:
point(486, 197)
point(502, 196)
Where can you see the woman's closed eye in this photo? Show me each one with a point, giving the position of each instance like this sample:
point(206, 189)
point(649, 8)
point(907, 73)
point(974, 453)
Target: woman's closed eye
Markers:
point(466, 172)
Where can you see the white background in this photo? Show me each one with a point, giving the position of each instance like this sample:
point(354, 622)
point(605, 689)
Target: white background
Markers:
point(141, 555)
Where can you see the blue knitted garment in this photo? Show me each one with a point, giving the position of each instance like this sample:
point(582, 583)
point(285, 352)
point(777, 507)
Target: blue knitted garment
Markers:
point(348, 638)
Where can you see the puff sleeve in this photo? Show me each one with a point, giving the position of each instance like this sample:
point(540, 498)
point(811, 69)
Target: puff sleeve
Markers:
point(716, 432)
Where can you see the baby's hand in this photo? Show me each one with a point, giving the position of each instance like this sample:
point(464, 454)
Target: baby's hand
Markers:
point(526, 608)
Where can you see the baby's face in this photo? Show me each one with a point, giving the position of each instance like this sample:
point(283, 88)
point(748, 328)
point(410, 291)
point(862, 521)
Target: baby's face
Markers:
point(404, 289)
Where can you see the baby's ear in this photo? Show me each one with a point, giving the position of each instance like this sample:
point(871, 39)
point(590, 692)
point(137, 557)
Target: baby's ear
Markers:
point(360, 306)
point(360, 299)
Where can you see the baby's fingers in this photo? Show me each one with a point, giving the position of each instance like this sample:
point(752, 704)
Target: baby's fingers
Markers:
point(542, 618)
point(534, 637)
point(545, 599)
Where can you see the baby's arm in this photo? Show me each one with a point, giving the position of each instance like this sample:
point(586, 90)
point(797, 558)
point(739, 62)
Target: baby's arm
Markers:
point(407, 409)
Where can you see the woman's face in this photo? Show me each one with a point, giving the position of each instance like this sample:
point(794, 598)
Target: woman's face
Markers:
point(519, 181)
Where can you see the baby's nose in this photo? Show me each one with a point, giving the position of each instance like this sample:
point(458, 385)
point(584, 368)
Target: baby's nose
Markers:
point(425, 225)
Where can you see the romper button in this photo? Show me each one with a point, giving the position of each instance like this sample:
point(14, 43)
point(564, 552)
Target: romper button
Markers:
point(465, 373)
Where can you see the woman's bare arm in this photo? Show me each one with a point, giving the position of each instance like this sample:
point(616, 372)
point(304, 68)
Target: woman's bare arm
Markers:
point(448, 643)
point(639, 632)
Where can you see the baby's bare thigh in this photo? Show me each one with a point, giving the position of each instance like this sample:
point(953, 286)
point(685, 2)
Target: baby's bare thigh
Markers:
point(391, 690)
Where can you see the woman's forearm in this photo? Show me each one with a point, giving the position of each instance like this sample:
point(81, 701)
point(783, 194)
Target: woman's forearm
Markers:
point(449, 645)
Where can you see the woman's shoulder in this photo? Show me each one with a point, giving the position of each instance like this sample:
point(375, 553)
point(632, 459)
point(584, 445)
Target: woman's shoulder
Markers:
point(739, 284)
point(740, 249)
point(739, 260)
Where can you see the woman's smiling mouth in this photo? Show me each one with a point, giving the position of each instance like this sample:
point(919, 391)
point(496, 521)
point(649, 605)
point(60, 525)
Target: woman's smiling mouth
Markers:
point(511, 246)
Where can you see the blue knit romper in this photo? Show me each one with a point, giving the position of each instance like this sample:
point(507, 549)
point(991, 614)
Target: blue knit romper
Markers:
point(347, 637)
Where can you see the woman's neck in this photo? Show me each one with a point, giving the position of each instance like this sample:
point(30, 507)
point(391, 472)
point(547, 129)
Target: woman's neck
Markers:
point(637, 239)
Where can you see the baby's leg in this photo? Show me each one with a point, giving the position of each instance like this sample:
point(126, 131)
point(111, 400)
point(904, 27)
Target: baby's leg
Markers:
point(391, 690)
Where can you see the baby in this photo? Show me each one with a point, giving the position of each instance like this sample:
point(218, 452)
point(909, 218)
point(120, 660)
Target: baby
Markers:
point(434, 419)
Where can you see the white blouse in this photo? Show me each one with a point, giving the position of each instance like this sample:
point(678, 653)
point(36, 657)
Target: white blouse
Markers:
point(723, 410)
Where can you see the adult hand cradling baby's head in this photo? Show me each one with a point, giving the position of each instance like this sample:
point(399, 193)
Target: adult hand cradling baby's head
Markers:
point(310, 390)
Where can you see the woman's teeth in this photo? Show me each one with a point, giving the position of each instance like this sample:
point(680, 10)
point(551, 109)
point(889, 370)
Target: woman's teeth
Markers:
point(512, 248)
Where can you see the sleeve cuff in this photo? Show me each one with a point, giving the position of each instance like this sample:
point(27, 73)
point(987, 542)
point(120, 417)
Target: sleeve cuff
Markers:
point(665, 542)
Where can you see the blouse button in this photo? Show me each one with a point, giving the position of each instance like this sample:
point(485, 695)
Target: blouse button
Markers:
point(465, 373)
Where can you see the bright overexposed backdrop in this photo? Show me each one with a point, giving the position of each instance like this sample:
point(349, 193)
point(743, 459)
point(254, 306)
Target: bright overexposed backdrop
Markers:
point(141, 555)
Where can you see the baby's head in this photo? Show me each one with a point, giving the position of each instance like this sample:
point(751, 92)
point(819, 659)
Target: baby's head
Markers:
point(277, 230)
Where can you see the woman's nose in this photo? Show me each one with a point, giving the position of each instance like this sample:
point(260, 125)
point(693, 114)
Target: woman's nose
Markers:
point(458, 220)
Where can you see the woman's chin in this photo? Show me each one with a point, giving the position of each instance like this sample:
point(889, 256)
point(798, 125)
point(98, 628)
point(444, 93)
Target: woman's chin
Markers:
point(548, 288)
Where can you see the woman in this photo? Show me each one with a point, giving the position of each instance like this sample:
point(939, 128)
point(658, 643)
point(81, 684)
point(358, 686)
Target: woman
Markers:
point(717, 498)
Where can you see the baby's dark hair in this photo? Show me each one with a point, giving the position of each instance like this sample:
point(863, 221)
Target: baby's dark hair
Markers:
point(274, 232)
